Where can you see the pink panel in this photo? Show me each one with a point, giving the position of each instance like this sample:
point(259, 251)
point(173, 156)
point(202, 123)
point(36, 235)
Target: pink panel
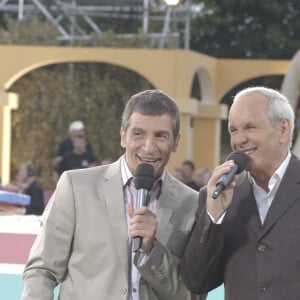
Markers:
point(15, 247)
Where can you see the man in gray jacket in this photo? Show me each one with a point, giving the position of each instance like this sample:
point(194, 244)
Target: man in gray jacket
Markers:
point(85, 243)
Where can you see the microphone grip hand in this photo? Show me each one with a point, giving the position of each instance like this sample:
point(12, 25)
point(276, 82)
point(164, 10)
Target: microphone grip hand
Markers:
point(220, 189)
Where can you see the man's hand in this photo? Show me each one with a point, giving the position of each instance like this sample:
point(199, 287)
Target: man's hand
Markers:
point(216, 207)
point(143, 223)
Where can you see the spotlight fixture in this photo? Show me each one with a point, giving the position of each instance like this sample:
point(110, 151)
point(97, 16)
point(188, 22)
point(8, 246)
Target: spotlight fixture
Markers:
point(172, 2)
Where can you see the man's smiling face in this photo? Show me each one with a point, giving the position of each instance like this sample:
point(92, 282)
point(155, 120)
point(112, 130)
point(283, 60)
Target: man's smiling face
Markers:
point(148, 139)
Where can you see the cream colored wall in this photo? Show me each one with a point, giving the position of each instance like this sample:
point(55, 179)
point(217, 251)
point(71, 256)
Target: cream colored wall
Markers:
point(231, 72)
point(169, 70)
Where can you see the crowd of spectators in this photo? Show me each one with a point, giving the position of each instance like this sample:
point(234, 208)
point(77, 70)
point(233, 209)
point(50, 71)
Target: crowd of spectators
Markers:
point(76, 152)
point(192, 177)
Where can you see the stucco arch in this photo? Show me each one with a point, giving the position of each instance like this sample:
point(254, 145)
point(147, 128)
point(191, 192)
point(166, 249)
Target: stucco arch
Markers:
point(246, 82)
point(31, 68)
point(169, 70)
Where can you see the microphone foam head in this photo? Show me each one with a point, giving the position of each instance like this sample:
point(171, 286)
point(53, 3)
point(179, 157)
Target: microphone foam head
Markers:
point(144, 177)
point(240, 158)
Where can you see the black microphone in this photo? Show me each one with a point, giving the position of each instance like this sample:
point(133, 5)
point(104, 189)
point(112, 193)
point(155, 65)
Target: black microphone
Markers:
point(143, 182)
point(240, 161)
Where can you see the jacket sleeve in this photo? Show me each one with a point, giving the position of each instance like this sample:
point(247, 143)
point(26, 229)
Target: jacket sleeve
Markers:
point(201, 263)
point(49, 255)
point(161, 272)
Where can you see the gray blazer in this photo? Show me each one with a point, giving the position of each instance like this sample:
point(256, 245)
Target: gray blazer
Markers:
point(83, 241)
point(253, 261)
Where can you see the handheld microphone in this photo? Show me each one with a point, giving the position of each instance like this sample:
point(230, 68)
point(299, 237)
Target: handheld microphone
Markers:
point(240, 161)
point(143, 181)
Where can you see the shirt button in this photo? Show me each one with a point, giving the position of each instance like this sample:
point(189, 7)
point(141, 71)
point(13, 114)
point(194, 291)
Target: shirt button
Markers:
point(261, 248)
point(263, 289)
point(124, 291)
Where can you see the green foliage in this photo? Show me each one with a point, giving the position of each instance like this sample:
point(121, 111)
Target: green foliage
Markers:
point(52, 97)
point(28, 32)
point(242, 28)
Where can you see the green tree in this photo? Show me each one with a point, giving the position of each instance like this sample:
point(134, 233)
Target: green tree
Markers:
point(247, 29)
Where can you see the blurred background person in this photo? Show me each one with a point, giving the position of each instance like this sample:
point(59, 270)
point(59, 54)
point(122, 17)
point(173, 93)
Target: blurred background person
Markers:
point(188, 168)
point(76, 129)
point(78, 158)
point(202, 176)
point(178, 174)
point(26, 183)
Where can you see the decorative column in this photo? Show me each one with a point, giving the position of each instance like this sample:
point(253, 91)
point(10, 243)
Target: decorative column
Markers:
point(8, 102)
point(207, 133)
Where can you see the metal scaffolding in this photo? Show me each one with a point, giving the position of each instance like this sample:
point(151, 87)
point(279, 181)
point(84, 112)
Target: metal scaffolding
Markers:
point(78, 20)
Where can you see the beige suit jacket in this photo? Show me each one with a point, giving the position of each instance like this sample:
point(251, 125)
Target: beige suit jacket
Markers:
point(83, 241)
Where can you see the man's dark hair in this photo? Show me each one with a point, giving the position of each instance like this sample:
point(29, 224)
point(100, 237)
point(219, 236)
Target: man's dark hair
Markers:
point(152, 103)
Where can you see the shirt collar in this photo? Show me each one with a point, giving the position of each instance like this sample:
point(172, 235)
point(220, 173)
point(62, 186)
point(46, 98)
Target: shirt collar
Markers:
point(127, 175)
point(278, 174)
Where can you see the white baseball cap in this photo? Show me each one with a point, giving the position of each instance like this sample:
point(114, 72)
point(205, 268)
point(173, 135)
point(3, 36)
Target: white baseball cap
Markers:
point(76, 125)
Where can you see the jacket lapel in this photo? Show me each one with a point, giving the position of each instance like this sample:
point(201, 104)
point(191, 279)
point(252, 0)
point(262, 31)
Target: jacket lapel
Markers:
point(288, 192)
point(246, 206)
point(114, 199)
point(165, 208)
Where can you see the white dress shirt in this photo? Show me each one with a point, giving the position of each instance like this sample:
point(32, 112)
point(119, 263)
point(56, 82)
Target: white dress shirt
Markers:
point(264, 199)
point(129, 191)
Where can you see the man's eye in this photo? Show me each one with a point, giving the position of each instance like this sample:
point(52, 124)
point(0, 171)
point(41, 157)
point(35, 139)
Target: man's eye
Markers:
point(162, 137)
point(232, 130)
point(137, 134)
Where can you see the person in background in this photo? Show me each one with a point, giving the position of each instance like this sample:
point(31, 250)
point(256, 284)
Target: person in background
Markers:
point(76, 129)
point(85, 242)
point(188, 168)
point(26, 183)
point(178, 174)
point(202, 176)
point(248, 237)
point(78, 158)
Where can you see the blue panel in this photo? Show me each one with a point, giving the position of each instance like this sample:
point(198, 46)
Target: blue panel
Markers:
point(216, 294)
point(11, 288)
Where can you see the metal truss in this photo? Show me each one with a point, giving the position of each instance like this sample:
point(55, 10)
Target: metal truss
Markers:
point(77, 20)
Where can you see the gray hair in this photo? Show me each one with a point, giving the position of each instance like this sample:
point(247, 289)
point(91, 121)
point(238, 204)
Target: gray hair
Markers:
point(152, 103)
point(279, 107)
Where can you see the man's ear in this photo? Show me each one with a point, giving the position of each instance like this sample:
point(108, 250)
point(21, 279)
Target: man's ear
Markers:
point(176, 142)
point(285, 130)
point(122, 137)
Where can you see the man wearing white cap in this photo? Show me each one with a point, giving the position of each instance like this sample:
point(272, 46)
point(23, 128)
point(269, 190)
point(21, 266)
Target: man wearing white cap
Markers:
point(76, 129)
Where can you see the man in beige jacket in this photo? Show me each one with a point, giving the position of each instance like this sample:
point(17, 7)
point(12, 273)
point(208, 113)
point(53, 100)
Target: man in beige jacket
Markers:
point(87, 228)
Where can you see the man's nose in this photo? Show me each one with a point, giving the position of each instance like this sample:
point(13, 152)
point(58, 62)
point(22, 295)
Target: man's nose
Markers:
point(149, 144)
point(239, 140)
